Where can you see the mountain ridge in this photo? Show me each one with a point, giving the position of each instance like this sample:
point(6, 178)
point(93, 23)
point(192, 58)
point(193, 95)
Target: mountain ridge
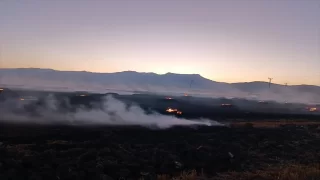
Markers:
point(149, 73)
point(152, 82)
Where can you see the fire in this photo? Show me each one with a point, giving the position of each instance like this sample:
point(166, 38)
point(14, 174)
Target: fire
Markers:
point(169, 98)
point(185, 94)
point(21, 99)
point(170, 110)
point(313, 109)
point(83, 95)
point(1, 89)
point(226, 104)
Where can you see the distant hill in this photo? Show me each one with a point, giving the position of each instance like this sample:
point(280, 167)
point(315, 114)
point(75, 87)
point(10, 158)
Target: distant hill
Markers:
point(136, 81)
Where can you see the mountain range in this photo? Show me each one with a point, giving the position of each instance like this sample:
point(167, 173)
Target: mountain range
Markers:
point(152, 82)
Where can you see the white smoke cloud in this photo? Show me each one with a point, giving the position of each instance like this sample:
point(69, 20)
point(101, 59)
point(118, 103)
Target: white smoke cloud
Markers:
point(112, 112)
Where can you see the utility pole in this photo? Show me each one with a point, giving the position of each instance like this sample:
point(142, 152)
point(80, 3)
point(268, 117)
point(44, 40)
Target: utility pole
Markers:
point(0, 64)
point(190, 84)
point(286, 84)
point(270, 79)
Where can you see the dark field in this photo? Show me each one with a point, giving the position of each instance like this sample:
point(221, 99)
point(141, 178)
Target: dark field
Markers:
point(62, 152)
point(220, 109)
point(262, 140)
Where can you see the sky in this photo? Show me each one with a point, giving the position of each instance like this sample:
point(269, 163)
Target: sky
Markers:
point(222, 40)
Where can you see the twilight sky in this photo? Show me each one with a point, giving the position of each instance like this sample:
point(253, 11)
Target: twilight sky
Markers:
point(231, 41)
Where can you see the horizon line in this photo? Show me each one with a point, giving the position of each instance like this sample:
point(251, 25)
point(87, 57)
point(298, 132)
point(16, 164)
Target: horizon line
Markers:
point(96, 72)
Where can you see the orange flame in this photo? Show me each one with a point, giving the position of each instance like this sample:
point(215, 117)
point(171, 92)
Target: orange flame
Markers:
point(170, 110)
point(313, 109)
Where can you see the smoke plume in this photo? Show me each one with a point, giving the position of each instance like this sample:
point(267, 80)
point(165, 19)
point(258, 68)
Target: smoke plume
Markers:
point(111, 112)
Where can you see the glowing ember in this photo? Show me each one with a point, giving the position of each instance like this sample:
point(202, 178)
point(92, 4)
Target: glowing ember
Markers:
point(185, 94)
point(170, 110)
point(28, 98)
point(313, 109)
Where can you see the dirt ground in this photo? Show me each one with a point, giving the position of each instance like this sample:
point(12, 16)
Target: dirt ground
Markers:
point(65, 152)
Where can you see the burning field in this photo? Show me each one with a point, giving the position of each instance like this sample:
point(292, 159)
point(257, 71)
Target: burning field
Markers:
point(88, 136)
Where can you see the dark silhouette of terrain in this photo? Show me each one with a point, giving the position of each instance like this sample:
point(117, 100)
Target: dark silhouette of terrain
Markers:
point(34, 78)
point(109, 152)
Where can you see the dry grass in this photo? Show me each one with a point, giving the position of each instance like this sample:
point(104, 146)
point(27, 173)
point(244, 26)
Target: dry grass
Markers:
point(185, 175)
point(57, 142)
point(289, 172)
point(20, 149)
point(191, 175)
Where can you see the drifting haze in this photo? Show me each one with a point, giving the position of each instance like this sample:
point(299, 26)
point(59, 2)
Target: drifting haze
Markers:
point(223, 40)
point(113, 112)
point(171, 84)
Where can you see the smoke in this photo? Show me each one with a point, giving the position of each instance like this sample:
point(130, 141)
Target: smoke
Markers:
point(110, 112)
